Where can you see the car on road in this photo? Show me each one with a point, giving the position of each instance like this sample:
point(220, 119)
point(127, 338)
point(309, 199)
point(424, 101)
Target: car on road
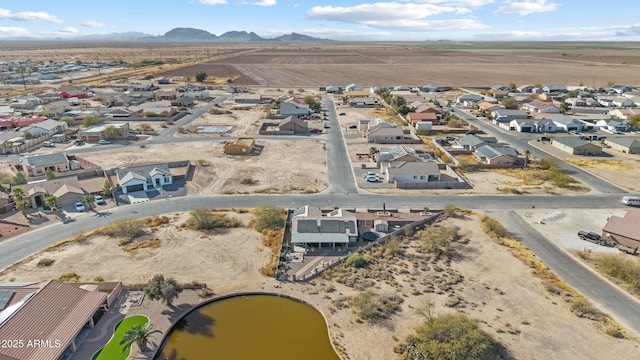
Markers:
point(100, 200)
point(104, 142)
point(327, 127)
point(48, 144)
point(79, 206)
point(316, 131)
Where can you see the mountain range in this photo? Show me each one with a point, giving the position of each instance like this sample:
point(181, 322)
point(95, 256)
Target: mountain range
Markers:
point(186, 35)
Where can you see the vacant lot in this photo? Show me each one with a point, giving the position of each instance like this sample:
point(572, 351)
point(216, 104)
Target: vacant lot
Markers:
point(417, 66)
point(483, 281)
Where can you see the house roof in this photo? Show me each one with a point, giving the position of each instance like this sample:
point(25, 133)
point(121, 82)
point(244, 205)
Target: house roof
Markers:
point(48, 124)
point(625, 141)
point(473, 140)
point(491, 152)
point(413, 168)
point(57, 311)
point(624, 227)
point(127, 174)
point(57, 187)
point(45, 160)
point(510, 112)
point(397, 152)
point(310, 225)
point(294, 120)
point(422, 116)
point(385, 131)
point(573, 141)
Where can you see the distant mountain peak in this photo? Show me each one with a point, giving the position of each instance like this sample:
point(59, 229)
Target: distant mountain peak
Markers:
point(188, 34)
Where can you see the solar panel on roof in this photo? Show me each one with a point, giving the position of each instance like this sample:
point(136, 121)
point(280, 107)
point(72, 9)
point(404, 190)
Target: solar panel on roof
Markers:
point(5, 296)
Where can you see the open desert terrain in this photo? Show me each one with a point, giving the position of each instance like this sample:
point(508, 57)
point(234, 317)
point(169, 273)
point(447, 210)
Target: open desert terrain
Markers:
point(482, 280)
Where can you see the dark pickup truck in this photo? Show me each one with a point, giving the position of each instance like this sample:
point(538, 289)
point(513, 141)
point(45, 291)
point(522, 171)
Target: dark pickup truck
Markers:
point(594, 238)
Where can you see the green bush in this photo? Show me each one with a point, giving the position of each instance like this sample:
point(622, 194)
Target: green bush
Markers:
point(451, 337)
point(268, 217)
point(126, 229)
point(69, 277)
point(357, 260)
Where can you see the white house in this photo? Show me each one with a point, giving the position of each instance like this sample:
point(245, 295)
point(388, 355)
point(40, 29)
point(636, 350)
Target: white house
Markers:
point(292, 108)
point(614, 125)
point(413, 172)
point(310, 227)
point(532, 125)
point(47, 127)
point(144, 178)
point(567, 123)
point(539, 106)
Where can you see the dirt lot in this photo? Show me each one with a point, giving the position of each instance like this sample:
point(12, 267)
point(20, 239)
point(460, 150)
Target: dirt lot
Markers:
point(416, 66)
point(491, 286)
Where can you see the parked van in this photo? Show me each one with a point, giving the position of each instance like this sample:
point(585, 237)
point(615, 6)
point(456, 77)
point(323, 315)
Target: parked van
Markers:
point(631, 200)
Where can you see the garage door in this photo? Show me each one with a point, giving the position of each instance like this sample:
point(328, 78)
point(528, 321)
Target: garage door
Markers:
point(132, 188)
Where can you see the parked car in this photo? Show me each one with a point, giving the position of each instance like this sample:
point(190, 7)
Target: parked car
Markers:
point(48, 144)
point(79, 142)
point(352, 127)
point(316, 131)
point(104, 142)
point(100, 200)
point(79, 206)
point(584, 235)
point(372, 178)
point(342, 114)
point(327, 127)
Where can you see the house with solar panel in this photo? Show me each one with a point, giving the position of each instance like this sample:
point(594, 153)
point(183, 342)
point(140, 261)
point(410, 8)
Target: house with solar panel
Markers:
point(311, 228)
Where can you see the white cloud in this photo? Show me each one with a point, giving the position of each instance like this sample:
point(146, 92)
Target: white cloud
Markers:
point(259, 3)
point(213, 2)
point(29, 16)
point(93, 24)
point(69, 30)
point(526, 7)
point(13, 31)
point(398, 16)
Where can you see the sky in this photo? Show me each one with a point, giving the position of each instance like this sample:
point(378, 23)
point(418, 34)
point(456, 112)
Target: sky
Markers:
point(346, 20)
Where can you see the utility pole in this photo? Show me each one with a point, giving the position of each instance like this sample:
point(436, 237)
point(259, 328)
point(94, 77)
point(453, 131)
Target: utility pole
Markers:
point(24, 83)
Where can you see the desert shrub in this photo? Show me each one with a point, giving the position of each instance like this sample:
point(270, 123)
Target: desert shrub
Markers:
point(439, 241)
point(493, 227)
point(583, 308)
point(268, 217)
point(449, 210)
point(69, 277)
point(247, 181)
point(203, 219)
point(206, 292)
point(371, 306)
point(133, 246)
point(45, 262)
point(157, 221)
point(357, 260)
point(98, 278)
point(621, 269)
point(126, 230)
point(452, 337)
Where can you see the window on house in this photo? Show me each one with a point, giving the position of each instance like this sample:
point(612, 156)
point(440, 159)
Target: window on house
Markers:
point(415, 176)
point(167, 180)
point(421, 177)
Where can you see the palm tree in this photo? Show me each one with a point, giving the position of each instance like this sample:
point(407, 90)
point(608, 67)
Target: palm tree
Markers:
point(52, 202)
point(138, 334)
point(88, 200)
point(527, 157)
point(17, 192)
point(21, 205)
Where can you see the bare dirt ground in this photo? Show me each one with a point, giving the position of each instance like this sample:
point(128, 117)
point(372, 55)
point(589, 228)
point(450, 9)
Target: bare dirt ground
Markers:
point(490, 286)
point(417, 66)
point(302, 165)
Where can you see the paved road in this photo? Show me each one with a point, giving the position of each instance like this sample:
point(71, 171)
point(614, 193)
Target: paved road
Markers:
point(622, 307)
point(339, 167)
point(521, 141)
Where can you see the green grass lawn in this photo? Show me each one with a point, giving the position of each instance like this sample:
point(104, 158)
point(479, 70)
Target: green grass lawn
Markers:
point(113, 350)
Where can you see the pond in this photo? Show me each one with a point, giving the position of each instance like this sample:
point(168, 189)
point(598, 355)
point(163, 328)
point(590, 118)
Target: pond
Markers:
point(257, 326)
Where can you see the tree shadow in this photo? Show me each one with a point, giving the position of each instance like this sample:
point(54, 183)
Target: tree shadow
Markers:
point(195, 323)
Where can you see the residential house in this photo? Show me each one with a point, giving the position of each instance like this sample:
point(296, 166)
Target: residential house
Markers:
point(623, 102)
point(357, 93)
point(395, 155)
point(472, 142)
point(119, 100)
point(619, 89)
point(576, 146)
point(333, 89)
point(118, 113)
point(363, 102)
point(538, 106)
point(627, 145)
point(55, 108)
point(614, 125)
point(624, 231)
point(416, 172)
point(469, 99)
point(487, 108)
point(496, 155)
point(413, 118)
point(311, 228)
point(28, 102)
point(66, 189)
point(556, 89)
point(63, 314)
point(167, 95)
point(72, 91)
point(528, 88)
point(624, 113)
point(154, 109)
point(142, 87)
point(502, 115)
point(352, 87)
point(385, 133)
point(140, 97)
point(426, 107)
point(37, 165)
point(499, 94)
point(47, 127)
point(244, 98)
point(120, 130)
point(568, 123)
point(533, 125)
point(435, 88)
point(582, 102)
point(295, 109)
point(144, 178)
point(293, 125)
point(186, 101)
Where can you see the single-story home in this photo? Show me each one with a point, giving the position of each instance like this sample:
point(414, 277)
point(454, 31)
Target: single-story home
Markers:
point(97, 133)
point(568, 123)
point(310, 227)
point(144, 178)
point(532, 125)
point(627, 145)
point(613, 125)
point(412, 172)
point(294, 125)
point(67, 190)
point(538, 106)
point(37, 165)
point(576, 146)
point(471, 142)
point(47, 127)
point(624, 230)
point(498, 155)
point(469, 99)
point(414, 117)
point(292, 108)
point(384, 133)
